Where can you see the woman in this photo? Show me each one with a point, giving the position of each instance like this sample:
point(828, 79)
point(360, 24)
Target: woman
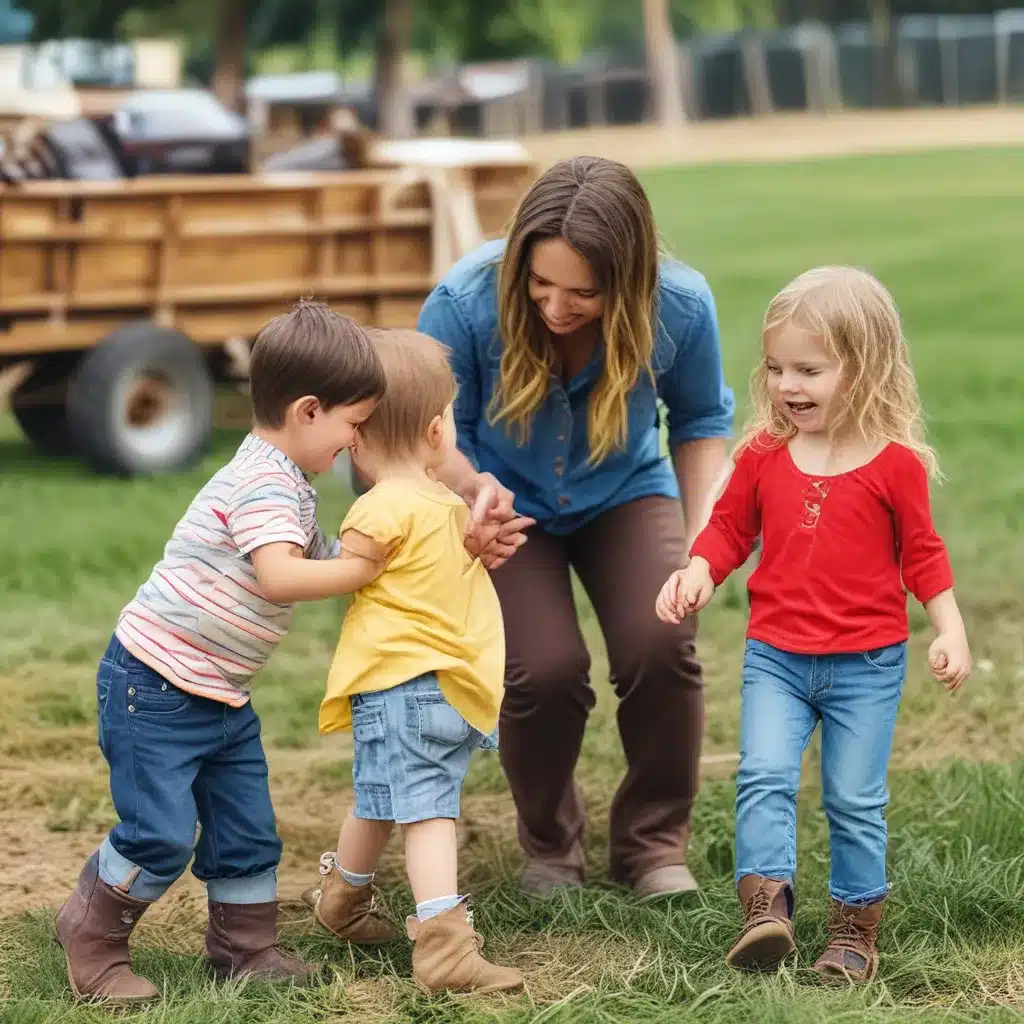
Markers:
point(563, 337)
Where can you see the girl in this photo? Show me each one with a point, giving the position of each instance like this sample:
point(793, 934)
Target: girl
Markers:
point(833, 475)
point(417, 675)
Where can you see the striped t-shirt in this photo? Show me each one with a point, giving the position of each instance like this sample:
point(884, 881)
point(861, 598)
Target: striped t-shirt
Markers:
point(200, 620)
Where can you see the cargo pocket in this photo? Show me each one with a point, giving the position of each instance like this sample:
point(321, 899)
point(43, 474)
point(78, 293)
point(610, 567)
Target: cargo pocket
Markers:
point(370, 763)
point(439, 722)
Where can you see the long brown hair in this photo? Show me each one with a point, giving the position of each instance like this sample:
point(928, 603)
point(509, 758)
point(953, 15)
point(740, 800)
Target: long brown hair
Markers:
point(600, 209)
point(857, 320)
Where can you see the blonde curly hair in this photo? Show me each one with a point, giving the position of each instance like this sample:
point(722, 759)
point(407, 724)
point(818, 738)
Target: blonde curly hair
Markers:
point(857, 319)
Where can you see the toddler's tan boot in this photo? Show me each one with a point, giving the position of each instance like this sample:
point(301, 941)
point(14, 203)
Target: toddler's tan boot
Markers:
point(446, 956)
point(350, 911)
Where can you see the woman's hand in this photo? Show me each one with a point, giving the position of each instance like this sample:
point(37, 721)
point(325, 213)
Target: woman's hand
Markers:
point(685, 592)
point(494, 532)
point(487, 496)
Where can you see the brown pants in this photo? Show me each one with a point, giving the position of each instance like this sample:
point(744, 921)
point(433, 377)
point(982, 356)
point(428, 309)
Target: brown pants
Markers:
point(622, 558)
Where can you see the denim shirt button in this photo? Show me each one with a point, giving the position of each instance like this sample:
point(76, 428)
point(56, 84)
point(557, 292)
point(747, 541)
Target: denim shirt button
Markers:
point(131, 691)
point(131, 708)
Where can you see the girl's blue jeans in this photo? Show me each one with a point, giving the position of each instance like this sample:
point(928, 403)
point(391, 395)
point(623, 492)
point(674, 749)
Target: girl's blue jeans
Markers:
point(855, 697)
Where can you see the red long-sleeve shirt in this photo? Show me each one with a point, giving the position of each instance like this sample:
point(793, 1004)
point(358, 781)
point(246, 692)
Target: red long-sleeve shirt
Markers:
point(836, 552)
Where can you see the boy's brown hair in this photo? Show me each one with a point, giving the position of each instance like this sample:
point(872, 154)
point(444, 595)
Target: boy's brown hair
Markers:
point(420, 386)
point(311, 351)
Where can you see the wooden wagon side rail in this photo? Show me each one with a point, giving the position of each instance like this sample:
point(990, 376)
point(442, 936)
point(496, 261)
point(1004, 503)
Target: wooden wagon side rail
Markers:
point(213, 257)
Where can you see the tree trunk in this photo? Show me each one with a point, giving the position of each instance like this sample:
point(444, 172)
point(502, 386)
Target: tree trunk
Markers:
point(395, 116)
point(230, 53)
point(755, 74)
point(663, 65)
point(889, 86)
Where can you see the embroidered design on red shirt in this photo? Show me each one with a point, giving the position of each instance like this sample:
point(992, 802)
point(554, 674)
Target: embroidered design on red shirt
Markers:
point(814, 495)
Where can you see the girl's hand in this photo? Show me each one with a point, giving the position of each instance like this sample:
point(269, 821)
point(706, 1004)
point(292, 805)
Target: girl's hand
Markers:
point(685, 592)
point(949, 658)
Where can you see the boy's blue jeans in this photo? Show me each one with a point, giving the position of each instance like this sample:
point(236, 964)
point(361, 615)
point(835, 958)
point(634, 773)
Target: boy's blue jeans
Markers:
point(177, 760)
point(855, 696)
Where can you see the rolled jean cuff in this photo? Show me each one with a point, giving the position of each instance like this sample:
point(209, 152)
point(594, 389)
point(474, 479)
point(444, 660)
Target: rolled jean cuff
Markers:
point(859, 899)
point(776, 874)
point(120, 873)
point(261, 888)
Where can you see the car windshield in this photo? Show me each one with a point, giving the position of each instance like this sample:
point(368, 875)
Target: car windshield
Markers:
point(182, 112)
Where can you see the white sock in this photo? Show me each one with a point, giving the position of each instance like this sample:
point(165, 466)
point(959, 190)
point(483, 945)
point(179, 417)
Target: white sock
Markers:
point(352, 878)
point(431, 908)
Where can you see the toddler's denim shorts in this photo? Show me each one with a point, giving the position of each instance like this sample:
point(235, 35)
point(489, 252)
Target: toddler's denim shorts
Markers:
point(412, 750)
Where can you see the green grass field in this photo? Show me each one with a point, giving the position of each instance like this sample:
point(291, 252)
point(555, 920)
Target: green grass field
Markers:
point(943, 231)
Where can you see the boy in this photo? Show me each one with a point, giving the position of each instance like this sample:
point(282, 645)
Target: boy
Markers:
point(175, 723)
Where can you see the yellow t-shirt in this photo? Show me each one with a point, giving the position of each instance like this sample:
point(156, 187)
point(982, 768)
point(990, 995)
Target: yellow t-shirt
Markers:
point(432, 609)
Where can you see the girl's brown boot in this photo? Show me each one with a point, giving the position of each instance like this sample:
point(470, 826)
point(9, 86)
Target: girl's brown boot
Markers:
point(766, 938)
point(850, 954)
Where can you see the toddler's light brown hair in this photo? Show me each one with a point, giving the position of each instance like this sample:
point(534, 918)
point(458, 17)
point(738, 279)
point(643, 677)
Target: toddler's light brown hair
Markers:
point(420, 386)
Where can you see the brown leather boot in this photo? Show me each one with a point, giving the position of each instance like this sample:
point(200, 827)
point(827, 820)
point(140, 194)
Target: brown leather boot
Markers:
point(93, 928)
point(446, 956)
point(241, 941)
point(350, 911)
point(850, 954)
point(766, 938)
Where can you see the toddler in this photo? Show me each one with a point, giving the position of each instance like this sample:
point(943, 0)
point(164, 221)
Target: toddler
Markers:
point(417, 676)
point(833, 476)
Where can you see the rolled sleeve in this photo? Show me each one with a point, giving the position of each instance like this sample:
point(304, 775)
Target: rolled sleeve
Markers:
point(693, 388)
point(442, 319)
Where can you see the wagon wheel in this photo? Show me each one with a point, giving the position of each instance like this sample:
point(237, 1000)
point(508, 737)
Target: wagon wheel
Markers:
point(141, 401)
point(39, 403)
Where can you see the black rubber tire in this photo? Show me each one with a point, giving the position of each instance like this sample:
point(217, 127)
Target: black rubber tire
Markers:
point(97, 402)
point(46, 425)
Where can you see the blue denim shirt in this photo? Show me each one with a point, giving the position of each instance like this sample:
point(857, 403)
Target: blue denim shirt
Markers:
point(550, 474)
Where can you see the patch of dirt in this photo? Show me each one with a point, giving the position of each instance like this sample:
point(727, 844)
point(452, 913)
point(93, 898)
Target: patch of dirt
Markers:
point(783, 137)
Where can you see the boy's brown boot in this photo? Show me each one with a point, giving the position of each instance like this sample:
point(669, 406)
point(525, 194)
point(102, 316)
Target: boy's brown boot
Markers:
point(93, 928)
point(766, 938)
point(850, 954)
point(350, 911)
point(241, 941)
point(446, 956)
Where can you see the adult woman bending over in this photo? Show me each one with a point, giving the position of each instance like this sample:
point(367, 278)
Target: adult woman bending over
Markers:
point(563, 338)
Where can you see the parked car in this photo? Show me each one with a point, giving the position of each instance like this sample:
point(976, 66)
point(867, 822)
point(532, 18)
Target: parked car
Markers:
point(177, 131)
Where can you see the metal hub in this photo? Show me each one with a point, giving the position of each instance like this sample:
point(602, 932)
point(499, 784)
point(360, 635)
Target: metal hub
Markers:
point(149, 400)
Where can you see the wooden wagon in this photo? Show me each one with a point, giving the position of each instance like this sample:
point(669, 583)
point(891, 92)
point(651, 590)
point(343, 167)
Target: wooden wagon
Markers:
point(124, 304)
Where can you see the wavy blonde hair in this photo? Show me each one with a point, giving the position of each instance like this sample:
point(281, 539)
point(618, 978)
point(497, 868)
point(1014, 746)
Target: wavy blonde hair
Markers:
point(600, 209)
point(857, 319)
